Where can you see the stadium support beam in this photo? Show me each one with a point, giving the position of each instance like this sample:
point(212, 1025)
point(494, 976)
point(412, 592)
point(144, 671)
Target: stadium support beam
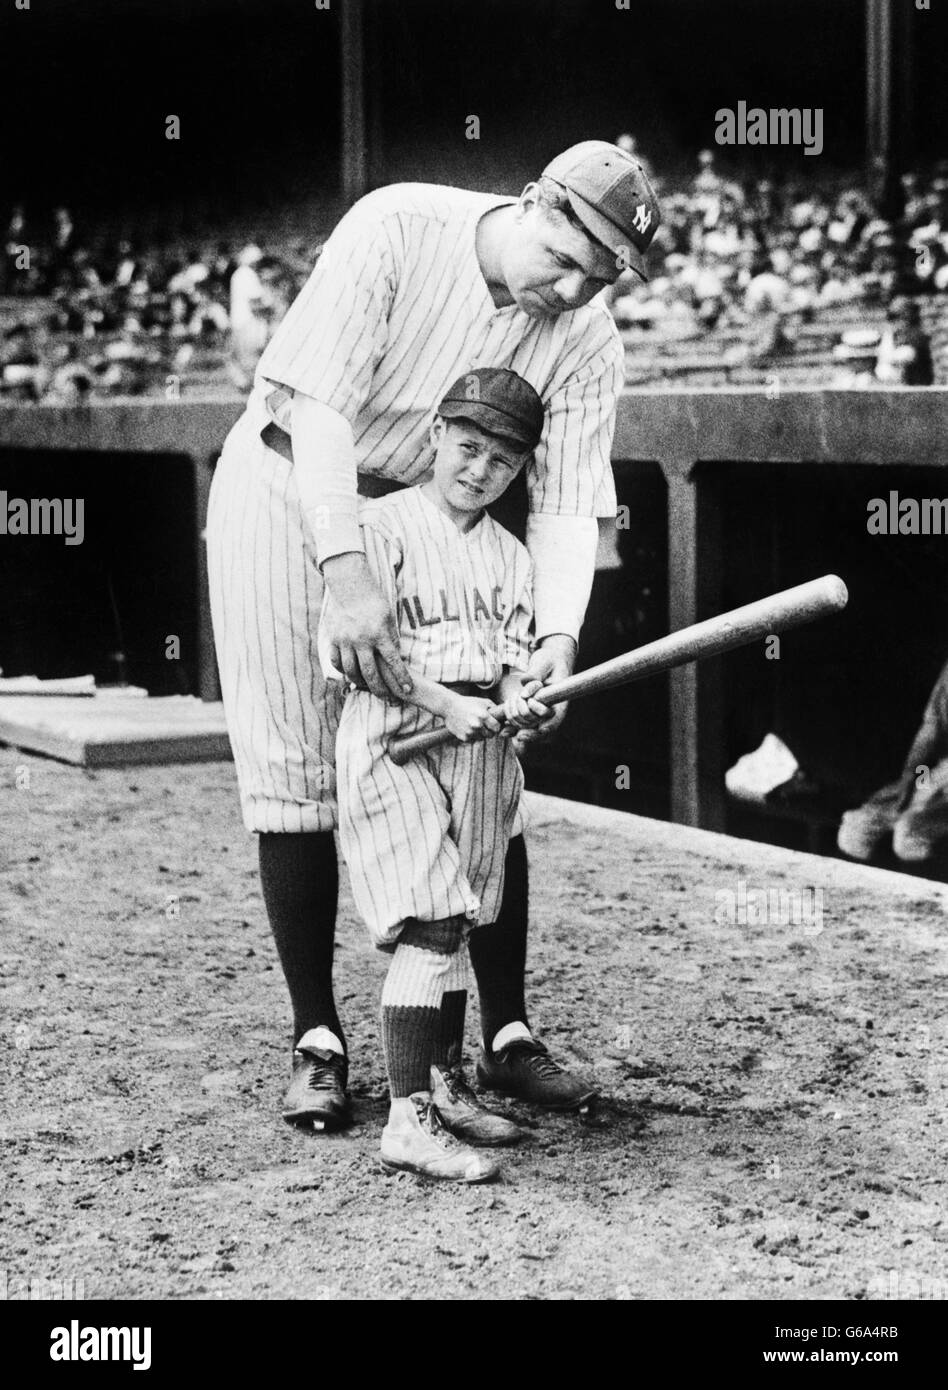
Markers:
point(888, 100)
point(355, 163)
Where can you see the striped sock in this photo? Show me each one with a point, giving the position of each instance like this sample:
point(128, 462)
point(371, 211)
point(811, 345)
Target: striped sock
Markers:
point(411, 1001)
point(453, 1009)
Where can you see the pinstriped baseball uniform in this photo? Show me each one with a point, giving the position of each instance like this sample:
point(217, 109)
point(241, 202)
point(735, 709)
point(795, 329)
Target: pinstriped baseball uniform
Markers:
point(395, 310)
point(429, 840)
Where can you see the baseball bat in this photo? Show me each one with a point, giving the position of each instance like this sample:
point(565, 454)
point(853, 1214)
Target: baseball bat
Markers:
point(715, 636)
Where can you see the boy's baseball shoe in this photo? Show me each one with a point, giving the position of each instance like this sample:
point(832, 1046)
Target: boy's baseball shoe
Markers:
point(463, 1113)
point(421, 1144)
point(317, 1093)
point(525, 1069)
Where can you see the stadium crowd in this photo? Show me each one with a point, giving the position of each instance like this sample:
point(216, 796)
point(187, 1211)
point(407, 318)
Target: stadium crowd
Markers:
point(756, 264)
point(745, 272)
point(85, 317)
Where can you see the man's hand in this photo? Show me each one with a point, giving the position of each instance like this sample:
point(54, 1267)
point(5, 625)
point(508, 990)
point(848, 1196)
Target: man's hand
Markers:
point(470, 719)
point(522, 711)
point(363, 636)
point(552, 661)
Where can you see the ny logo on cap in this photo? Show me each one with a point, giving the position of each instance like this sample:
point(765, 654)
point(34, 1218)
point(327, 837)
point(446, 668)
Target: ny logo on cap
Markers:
point(642, 219)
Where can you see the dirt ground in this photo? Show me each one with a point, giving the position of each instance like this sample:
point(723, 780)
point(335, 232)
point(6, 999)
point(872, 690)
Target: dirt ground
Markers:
point(773, 1123)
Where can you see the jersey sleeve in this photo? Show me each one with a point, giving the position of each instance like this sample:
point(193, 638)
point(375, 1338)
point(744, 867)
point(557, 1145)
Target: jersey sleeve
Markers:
point(518, 629)
point(383, 555)
point(333, 335)
point(571, 474)
point(384, 560)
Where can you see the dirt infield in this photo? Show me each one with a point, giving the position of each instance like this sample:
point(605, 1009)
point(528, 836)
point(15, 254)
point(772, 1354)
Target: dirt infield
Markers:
point(774, 1123)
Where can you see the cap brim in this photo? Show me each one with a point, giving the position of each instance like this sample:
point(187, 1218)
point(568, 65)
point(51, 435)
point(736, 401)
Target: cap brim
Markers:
point(606, 232)
point(494, 421)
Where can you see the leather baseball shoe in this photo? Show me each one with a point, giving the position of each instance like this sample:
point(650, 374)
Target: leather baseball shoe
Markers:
point(317, 1094)
point(464, 1115)
point(420, 1144)
point(525, 1069)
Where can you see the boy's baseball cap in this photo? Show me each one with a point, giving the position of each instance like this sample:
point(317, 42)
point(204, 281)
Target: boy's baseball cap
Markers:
point(610, 193)
point(498, 400)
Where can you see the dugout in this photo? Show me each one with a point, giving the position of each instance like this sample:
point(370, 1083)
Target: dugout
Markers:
point(730, 496)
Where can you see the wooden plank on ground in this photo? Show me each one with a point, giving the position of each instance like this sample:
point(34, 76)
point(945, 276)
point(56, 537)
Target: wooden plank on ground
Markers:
point(112, 731)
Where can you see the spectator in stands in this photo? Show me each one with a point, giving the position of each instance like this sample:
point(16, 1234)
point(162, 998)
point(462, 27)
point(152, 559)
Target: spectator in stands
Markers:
point(64, 231)
point(249, 328)
point(707, 183)
point(14, 274)
point(744, 268)
point(21, 369)
point(905, 355)
point(72, 381)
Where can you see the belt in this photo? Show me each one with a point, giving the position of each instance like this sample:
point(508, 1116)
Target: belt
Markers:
point(467, 688)
point(370, 485)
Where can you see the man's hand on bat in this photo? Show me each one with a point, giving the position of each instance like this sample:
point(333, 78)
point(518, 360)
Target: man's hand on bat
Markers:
point(521, 710)
point(553, 661)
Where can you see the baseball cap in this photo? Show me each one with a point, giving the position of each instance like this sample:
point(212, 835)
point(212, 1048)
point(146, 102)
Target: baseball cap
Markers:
point(498, 400)
point(611, 195)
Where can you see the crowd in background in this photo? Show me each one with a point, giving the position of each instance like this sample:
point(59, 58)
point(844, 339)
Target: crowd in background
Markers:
point(88, 316)
point(762, 259)
point(85, 315)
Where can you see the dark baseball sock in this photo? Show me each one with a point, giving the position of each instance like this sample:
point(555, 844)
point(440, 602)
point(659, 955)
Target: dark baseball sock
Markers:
point(450, 1047)
point(499, 951)
point(300, 880)
point(451, 1031)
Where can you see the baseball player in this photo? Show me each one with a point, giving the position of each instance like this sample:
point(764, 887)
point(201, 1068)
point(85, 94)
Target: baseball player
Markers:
point(425, 843)
point(416, 285)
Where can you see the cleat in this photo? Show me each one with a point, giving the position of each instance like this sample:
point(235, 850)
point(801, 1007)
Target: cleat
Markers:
point(317, 1096)
point(526, 1070)
point(421, 1144)
point(463, 1114)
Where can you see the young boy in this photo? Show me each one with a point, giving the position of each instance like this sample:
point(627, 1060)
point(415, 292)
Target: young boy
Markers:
point(426, 843)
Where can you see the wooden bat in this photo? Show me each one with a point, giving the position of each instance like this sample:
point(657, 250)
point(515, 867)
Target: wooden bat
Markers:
point(778, 613)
